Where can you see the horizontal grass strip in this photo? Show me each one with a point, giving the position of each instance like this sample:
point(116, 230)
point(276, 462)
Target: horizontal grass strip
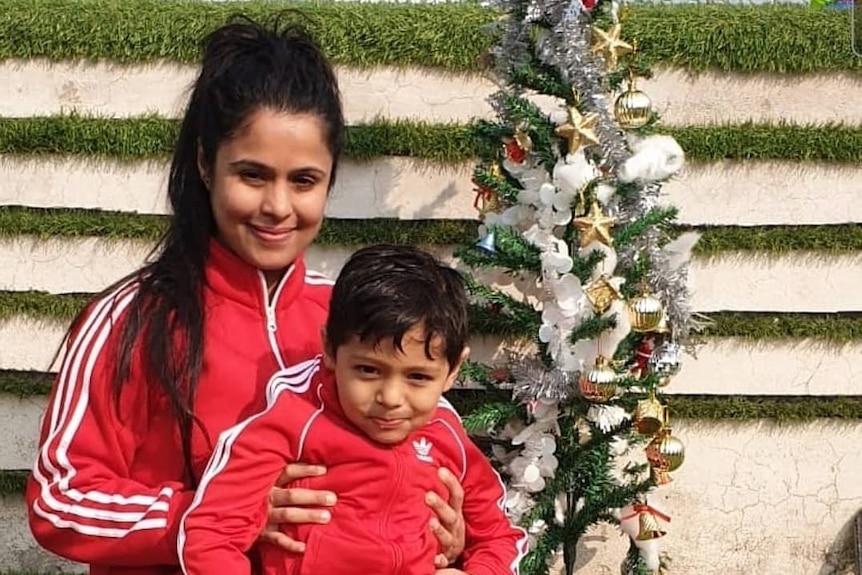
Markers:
point(39, 305)
point(25, 383)
point(12, 482)
point(443, 35)
point(699, 407)
point(782, 409)
point(783, 39)
point(151, 137)
point(769, 141)
point(836, 328)
point(73, 222)
point(824, 239)
point(712, 407)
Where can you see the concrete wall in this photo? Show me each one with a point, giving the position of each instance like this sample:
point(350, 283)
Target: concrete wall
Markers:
point(752, 497)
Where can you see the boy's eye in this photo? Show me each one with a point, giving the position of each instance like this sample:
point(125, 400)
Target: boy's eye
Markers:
point(366, 369)
point(419, 377)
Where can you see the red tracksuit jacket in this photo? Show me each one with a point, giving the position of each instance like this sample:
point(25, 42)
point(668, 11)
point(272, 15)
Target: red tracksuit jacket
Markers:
point(107, 488)
point(379, 525)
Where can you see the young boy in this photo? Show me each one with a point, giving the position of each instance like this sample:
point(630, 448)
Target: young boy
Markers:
point(370, 410)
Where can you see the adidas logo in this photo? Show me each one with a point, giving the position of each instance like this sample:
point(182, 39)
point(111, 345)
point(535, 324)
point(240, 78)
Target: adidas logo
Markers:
point(423, 450)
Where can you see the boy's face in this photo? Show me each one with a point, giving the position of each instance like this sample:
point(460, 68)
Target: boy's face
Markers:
point(388, 393)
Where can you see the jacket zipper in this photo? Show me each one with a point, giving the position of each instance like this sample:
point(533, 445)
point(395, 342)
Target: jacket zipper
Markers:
point(384, 518)
point(269, 311)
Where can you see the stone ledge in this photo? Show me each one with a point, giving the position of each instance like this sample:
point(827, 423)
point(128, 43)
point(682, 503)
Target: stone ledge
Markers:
point(715, 194)
point(37, 88)
point(726, 366)
point(796, 282)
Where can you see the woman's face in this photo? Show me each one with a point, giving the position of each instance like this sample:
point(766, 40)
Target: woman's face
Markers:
point(268, 188)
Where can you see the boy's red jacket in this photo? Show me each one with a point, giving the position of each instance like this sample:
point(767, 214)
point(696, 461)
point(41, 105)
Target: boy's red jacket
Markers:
point(108, 487)
point(380, 525)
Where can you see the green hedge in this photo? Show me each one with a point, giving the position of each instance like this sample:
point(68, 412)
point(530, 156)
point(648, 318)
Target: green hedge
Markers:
point(766, 240)
point(763, 327)
point(699, 407)
point(12, 482)
point(785, 39)
point(152, 137)
point(715, 407)
point(447, 36)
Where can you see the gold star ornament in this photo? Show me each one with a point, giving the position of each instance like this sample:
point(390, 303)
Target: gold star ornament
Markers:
point(579, 130)
point(594, 227)
point(609, 44)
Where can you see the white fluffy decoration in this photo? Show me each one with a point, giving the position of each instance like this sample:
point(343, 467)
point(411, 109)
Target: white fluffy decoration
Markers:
point(654, 159)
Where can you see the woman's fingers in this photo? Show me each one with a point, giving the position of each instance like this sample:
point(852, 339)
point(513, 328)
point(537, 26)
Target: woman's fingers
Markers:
point(278, 538)
point(279, 497)
point(279, 515)
point(296, 471)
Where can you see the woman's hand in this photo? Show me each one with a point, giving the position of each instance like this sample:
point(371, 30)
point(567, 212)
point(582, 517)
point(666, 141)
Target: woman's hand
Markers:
point(448, 524)
point(295, 506)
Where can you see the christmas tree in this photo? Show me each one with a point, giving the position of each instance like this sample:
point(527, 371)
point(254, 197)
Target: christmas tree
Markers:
point(594, 313)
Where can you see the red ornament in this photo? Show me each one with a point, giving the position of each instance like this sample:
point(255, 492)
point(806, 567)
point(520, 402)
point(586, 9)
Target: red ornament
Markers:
point(500, 374)
point(643, 353)
point(589, 4)
point(514, 151)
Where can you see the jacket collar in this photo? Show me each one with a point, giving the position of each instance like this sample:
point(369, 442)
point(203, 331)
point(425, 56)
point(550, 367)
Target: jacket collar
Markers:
point(231, 277)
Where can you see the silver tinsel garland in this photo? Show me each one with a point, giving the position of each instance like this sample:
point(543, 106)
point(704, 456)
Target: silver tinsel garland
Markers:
point(566, 47)
point(535, 382)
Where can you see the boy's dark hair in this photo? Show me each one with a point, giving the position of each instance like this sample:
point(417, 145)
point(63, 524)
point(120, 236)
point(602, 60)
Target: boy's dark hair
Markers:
point(385, 290)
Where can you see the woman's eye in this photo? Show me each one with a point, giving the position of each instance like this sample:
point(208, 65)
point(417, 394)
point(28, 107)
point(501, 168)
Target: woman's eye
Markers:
point(251, 177)
point(305, 182)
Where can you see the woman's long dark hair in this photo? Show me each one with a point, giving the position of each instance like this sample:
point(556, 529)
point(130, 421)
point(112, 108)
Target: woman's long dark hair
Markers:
point(246, 66)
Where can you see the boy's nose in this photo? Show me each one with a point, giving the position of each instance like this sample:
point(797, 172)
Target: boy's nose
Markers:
point(390, 395)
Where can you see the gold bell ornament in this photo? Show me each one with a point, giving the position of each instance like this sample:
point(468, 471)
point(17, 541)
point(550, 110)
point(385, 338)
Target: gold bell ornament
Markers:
point(649, 521)
point(650, 416)
point(633, 108)
point(645, 312)
point(649, 527)
point(599, 384)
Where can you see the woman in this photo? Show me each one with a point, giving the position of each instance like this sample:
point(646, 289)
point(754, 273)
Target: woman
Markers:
point(164, 361)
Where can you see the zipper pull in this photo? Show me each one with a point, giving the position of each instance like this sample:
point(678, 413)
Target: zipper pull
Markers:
point(270, 319)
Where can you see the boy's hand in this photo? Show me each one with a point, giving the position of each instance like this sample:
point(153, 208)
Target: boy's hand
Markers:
point(448, 523)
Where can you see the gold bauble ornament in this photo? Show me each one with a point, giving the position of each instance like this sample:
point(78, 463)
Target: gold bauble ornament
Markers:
point(601, 294)
point(672, 449)
point(609, 44)
point(665, 453)
point(599, 384)
point(579, 130)
point(633, 108)
point(650, 416)
point(645, 312)
point(594, 227)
